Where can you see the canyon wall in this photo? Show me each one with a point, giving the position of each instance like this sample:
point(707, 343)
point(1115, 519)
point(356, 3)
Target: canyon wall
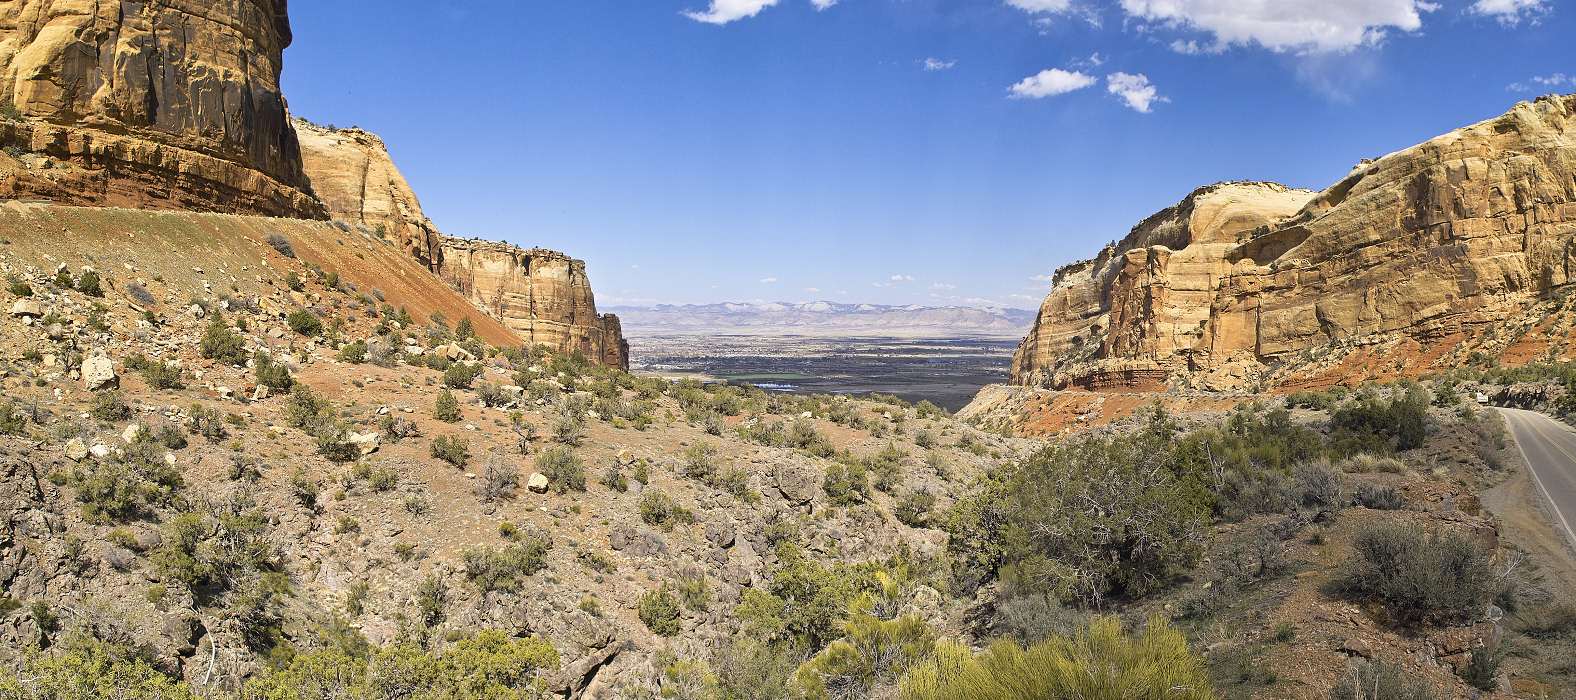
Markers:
point(351, 172)
point(1243, 284)
point(543, 295)
point(162, 104)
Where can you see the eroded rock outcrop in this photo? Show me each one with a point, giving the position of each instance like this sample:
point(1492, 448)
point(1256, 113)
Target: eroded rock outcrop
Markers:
point(166, 104)
point(351, 171)
point(1243, 283)
point(543, 295)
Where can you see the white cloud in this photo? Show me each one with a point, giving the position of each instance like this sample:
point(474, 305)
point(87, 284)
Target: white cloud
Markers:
point(1043, 278)
point(1553, 81)
point(1304, 26)
point(725, 11)
point(768, 280)
point(1135, 90)
point(1051, 82)
point(822, 4)
point(812, 290)
point(1510, 12)
point(943, 286)
point(1041, 6)
point(1191, 47)
point(902, 278)
point(935, 64)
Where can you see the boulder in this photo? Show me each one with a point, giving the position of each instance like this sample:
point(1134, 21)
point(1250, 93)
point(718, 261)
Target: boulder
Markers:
point(537, 483)
point(76, 449)
point(98, 372)
point(366, 443)
point(27, 308)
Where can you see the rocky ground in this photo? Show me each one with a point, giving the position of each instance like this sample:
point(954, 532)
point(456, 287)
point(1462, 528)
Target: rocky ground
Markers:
point(232, 474)
point(390, 517)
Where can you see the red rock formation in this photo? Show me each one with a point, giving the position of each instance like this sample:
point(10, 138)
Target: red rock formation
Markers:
point(168, 104)
point(1247, 284)
point(543, 295)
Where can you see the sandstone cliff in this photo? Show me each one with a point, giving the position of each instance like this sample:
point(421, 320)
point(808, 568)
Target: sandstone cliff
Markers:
point(1413, 259)
point(351, 172)
point(166, 104)
point(543, 295)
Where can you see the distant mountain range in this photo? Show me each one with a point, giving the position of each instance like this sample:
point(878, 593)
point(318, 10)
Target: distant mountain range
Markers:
point(824, 318)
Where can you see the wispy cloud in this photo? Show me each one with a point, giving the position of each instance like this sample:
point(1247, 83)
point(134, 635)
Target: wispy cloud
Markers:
point(936, 64)
point(813, 290)
point(1041, 6)
point(725, 11)
point(1302, 26)
point(1134, 89)
point(902, 278)
point(1553, 81)
point(1051, 82)
point(1043, 278)
point(768, 280)
point(943, 286)
point(823, 4)
point(1511, 12)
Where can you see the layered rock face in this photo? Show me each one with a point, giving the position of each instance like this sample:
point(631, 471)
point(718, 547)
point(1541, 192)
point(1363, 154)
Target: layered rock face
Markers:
point(162, 104)
point(351, 171)
point(1242, 281)
point(543, 295)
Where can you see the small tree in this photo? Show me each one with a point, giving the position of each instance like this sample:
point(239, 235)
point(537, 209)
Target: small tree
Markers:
point(447, 408)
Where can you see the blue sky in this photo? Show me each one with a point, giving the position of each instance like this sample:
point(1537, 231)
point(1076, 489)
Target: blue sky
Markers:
point(889, 151)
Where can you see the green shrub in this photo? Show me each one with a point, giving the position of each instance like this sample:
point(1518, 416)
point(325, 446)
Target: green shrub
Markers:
point(659, 610)
point(125, 486)
point(570, 424)
point(846, 484)
point(354, 353)
point(699, 462)
point(914, 509)
point(1418, 577)
point(281, 244)
point(304, 408)
point(461, 375)
point(13, 421)
point(83, 667)
point(447, 407)
point(1100, 663)
point(90, 284)
point(1086, 519)
point(293, 282)
point(872, 651)
point(1399, 423)
point(562, 468)
point(221, 344)
point(271, 374)
point(454, 450)
point(109, 407)
point(19, 288)
point(305, 323)
point(504, 569)
point(159, 375)
point(657, 508)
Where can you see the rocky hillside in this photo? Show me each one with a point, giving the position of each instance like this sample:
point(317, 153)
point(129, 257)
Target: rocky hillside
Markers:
point(177, 106)
point(1408, 265)
point(159, 105)
point(542, 295)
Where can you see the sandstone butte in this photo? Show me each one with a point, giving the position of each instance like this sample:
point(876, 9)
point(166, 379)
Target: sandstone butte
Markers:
point(177, 105)
point(544, 296)
point(1408, 264)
